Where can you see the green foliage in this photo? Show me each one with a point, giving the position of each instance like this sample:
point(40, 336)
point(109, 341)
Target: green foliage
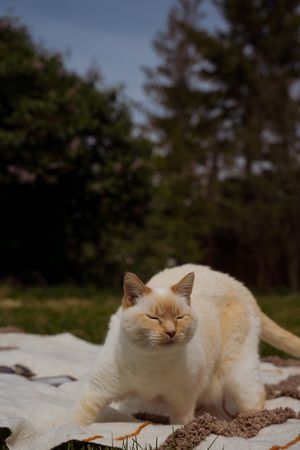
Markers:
point(228, 139)
point(73, 179)
point(83, 198)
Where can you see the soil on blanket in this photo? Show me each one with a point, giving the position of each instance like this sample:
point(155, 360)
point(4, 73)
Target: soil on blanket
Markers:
point(243, 426)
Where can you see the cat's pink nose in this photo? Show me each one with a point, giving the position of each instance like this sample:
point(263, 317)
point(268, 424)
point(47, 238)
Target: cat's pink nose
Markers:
point(171, 333)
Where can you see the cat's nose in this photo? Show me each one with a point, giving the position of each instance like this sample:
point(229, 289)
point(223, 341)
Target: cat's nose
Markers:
point(171, 333)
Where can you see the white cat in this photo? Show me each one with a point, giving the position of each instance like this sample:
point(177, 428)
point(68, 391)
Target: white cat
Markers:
point(184, 345)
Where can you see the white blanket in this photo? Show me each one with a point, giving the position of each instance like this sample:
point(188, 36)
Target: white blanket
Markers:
point(38, 415)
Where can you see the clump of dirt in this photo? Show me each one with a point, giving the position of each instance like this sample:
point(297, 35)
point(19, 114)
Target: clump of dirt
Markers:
point(243, 426)
point(285, 388)
point(10, 329)
point(154, 418)
point(280, 362)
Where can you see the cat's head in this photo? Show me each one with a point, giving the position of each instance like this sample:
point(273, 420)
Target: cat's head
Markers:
point(158, 317)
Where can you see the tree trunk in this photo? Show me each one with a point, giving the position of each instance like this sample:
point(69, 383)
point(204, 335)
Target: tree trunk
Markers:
point(264, 273)
point(293, 267)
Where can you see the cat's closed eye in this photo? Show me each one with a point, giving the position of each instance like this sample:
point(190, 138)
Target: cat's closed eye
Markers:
point(153, 317)
point(179, 317)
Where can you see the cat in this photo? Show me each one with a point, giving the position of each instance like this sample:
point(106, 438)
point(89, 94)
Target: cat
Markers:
point(189, 337)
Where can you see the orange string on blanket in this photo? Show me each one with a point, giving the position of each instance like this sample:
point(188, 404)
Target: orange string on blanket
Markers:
point(92, 438)
point(134, 433)
point(289, 444)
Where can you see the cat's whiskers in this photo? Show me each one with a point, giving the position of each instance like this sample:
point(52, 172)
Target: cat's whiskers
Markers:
point(146, 344)
point(160, 340)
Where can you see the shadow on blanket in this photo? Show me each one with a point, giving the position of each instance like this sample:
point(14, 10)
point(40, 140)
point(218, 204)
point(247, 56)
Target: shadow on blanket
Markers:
point(190, 435)
point(245, 426)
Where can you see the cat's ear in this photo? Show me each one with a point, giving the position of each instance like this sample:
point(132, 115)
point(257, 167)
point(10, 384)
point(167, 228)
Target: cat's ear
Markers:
point(184, 287)
point(133, 289)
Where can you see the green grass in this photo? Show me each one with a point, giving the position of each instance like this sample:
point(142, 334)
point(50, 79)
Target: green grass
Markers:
point(284, 309)
point(85, 311)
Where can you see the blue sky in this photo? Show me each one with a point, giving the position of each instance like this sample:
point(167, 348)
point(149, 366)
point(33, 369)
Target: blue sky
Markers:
point(116, 35)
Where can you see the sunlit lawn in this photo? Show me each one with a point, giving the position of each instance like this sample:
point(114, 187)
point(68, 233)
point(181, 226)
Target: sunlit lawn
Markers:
point(85, 311)
point(285, 310)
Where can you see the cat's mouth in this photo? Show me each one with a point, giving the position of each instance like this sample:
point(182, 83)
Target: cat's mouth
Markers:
point(171, 342)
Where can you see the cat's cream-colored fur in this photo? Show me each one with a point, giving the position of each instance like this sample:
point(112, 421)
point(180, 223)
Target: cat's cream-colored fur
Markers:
point(188, 338)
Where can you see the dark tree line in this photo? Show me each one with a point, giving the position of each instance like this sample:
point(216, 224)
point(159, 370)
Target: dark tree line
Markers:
point(217, 180)
point(228, 138)
point(73, 180)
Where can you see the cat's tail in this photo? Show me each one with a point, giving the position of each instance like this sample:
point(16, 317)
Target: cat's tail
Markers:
point(278, 337)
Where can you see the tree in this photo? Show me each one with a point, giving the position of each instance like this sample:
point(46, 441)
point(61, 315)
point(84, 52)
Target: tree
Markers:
point(73, 179)
point(181, 152)
point(228, 128)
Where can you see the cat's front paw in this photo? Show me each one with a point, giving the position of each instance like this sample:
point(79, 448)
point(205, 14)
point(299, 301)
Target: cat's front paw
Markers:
point(82, 418)
point(85, 414)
